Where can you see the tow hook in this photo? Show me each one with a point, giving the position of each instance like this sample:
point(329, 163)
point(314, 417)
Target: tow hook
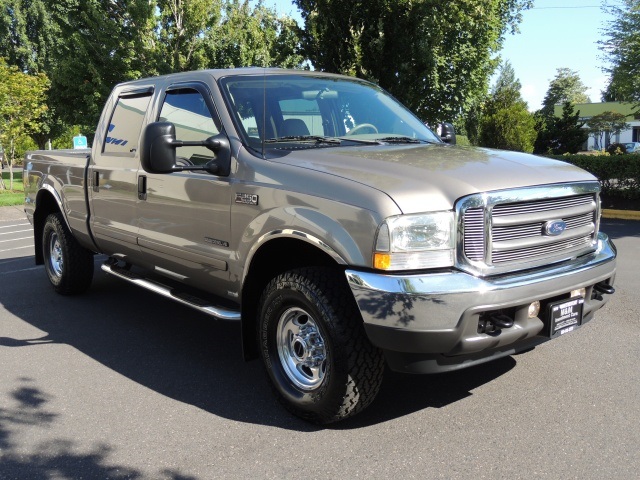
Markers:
point(604, 288)
point(494, 323)
point(599, 289)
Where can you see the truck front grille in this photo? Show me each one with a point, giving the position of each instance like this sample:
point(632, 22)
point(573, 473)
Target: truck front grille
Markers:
point(514, 230)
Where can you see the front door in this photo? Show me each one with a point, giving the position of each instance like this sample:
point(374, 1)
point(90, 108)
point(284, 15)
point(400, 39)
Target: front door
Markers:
point(184, 217)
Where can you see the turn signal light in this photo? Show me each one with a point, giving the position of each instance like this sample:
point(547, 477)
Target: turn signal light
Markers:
point(382, 261)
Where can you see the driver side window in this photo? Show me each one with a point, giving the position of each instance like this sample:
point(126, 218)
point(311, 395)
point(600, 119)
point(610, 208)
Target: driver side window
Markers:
point(187, 109)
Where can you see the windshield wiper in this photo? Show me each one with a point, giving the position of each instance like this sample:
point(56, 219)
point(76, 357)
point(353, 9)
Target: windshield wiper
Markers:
point(304, 138)
point(401, 140)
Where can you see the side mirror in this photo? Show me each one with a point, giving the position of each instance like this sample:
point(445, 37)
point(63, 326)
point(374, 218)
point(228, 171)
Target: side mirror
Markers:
point(448, 133)
point(158, 151)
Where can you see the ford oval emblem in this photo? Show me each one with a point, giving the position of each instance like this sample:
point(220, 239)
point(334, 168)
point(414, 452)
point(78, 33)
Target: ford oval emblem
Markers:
point(553, 228)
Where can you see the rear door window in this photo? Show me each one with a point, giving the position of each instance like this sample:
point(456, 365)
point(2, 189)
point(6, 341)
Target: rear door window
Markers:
point(124, 129)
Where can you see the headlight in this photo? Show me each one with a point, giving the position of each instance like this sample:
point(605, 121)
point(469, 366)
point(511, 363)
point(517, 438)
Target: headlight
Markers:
point(411, 242)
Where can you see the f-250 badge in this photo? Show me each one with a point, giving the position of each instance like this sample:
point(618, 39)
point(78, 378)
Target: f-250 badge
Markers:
point(247, 198)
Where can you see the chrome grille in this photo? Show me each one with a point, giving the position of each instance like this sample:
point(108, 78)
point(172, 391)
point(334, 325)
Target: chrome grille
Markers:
point(506, 231)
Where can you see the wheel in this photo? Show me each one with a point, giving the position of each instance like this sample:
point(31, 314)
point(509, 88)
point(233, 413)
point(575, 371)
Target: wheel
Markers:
point(314, 347)
point(362, 126)
point(69, 265)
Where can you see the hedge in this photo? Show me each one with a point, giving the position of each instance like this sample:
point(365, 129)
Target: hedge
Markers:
point(619, 175)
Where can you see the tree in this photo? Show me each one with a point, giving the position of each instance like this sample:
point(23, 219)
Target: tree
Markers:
point(436, 57)
point(559, 135)
point(622, 48)
point(565, 87)
point(255, 37)
point(105, 42)
point(28, 34)
point(506, 122)
point(609, 123)
point(21, 106)
point(186, 26)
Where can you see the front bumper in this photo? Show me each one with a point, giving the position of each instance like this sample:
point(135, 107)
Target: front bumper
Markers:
point(428, 323)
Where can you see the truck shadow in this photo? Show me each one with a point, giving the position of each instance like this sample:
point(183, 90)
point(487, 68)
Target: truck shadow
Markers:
point(185, 355)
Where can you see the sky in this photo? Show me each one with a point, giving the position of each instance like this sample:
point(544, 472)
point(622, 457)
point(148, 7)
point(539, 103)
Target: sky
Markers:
point(554, 34)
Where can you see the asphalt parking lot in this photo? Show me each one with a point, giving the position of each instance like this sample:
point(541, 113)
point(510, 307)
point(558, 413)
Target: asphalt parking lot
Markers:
point(118, 383)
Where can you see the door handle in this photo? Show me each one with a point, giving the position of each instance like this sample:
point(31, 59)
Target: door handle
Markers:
point(96, 181)
point(142, 187)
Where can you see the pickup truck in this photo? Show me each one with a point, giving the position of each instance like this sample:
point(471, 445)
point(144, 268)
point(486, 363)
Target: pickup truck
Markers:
point(327, 219)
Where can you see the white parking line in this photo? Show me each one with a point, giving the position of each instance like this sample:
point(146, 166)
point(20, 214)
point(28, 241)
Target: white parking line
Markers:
point(17, 248)
point(15, 225)
point(15, 239)
point(15, 231)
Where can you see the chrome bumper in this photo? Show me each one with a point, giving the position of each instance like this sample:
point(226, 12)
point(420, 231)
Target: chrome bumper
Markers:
point(438, 313)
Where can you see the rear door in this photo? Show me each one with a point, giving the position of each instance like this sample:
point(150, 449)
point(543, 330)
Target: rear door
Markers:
point(184, 217)
point(113, 172)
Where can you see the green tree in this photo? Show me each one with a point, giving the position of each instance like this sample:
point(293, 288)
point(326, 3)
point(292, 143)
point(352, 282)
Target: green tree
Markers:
point(28, 34)
point(622, 49)
point(436, 57)
point(185, 28)
point(506, 122)
point(606, 123)
point(559, 135)
point(255, 37)
point(105, 42)
point(566, 86)
point(21, 106)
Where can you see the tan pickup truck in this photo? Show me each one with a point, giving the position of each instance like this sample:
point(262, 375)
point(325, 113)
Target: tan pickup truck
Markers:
point(330, 221)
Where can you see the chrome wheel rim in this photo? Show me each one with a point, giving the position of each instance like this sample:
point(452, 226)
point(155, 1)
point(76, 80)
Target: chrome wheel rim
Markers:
point(56, 262)
point(301, 349)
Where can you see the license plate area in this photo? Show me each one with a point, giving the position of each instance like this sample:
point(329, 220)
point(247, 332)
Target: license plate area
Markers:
point(564, 317)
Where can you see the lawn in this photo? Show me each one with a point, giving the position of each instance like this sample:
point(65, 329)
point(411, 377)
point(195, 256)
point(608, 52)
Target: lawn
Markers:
point(15, 196)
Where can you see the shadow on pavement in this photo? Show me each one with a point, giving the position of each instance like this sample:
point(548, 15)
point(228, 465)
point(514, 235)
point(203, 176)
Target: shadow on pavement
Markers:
point(185, 355)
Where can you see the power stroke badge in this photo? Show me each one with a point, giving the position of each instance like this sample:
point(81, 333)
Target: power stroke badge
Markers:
point(247, 198)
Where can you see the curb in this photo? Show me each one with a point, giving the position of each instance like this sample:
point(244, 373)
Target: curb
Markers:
point(621, 214)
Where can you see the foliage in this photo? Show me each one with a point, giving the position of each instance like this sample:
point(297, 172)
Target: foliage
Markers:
point(560, 135)
point(435, 57)
point(256, 37)
point(186, 28)
point(617, 149)
point(619, 175)
point(565, 87)
point(506, 122)
point(622, 49)
point(606, 123)
point(21, 108)
point(28, 34)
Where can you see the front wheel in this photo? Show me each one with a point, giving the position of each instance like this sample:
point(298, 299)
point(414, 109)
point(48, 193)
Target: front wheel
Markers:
point(69, 265)
point(316, 353)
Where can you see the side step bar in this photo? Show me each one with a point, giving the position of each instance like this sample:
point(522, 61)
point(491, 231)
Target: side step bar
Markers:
point(197, 303)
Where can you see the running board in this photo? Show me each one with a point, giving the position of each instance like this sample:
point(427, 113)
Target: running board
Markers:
point(198, 303)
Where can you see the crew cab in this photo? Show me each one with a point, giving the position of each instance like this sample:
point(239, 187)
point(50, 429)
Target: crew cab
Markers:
point(329, 221)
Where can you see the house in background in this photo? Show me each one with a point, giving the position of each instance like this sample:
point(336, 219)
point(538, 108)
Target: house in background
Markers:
point(588, 110)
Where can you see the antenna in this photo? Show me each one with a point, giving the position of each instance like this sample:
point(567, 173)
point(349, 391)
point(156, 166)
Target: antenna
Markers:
point(264, 109)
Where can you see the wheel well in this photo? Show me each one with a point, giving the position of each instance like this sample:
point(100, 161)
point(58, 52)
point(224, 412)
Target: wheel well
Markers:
point(272, 259)
point(45, 205)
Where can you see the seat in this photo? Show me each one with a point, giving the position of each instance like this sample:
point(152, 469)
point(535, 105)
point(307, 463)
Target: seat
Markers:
point(293, 127)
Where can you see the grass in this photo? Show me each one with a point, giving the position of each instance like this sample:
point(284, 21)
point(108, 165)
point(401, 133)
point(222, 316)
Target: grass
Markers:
point(15, 196)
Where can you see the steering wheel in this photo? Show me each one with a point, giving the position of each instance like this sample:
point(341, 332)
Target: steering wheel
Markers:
point(362, 126)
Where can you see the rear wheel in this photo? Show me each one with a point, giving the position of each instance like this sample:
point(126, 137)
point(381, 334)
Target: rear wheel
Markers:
point(314, 348)
point(69, 265)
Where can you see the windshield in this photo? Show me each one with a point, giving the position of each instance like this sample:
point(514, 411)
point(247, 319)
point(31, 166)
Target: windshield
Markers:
point(305, 111)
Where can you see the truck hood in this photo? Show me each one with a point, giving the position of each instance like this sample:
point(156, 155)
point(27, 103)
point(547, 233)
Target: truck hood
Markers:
point(432, 177)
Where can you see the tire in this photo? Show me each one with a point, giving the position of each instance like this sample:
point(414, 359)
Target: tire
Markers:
point(69, 265)
point(320, 362)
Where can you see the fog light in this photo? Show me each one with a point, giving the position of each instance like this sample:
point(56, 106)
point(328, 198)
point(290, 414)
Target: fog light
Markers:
point(534, 309)
point(580, 292)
